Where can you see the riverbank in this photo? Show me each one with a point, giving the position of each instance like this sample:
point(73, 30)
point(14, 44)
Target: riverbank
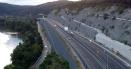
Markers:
point(26, 53)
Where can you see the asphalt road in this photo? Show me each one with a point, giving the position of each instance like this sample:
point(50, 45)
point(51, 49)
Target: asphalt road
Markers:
point(91, 54)
point(58, 44)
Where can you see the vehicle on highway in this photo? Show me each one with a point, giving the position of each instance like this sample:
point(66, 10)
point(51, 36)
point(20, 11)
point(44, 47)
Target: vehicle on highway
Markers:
point(66, 28)
point(71, 32)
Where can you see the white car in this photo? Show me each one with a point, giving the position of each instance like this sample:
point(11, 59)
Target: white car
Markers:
point(71, 32)
point(66, 28)
point(90, 40)
point(45, 45)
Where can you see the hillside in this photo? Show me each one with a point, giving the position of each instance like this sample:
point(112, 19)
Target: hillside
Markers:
point(8, 9)
point(104, 14)
point(112, 18)
point(15, 10)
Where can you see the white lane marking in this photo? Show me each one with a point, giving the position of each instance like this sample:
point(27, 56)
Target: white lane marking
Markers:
point(106, 50)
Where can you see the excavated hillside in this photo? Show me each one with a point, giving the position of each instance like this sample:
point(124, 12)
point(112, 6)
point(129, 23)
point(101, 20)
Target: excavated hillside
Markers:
point(113, 18)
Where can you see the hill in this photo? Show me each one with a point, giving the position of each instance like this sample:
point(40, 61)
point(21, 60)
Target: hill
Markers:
point(111, 17)
point(8, 9)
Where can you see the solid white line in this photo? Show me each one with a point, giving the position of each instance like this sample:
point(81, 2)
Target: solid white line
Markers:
point(106, 50)
point(100, 45)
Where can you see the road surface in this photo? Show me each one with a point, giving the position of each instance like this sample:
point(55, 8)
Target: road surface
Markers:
point(91, 55)
point(58, 44)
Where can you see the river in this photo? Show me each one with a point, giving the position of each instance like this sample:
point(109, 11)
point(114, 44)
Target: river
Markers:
point(7, 44)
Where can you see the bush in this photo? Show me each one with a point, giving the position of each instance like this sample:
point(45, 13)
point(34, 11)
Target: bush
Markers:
point(53, 61)
point(105, 16)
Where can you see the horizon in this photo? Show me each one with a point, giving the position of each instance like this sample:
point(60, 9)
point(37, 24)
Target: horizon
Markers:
point(30, 2)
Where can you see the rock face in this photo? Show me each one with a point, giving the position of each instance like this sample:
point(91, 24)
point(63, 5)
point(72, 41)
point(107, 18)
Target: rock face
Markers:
point(114, 21)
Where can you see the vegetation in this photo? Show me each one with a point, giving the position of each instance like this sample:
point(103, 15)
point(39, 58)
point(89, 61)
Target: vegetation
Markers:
point(56, 11)
point(28, 11)
point(83, 20)
point(112, 27)
point(26, 53)
point(99, 5)
point(53, 61)
point(127, 32)
point(105, 16)
point(120, 9)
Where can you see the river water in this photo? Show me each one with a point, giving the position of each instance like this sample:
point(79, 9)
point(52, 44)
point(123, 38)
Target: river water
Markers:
point(7, 44)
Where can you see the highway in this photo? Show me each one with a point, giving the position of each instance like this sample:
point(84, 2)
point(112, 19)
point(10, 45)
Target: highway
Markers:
point(91, 55)
point(58, 44)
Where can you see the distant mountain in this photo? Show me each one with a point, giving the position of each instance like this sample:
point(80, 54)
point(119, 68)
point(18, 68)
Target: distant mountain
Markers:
point(16, 10)
point(8, 9)
point(47, 7)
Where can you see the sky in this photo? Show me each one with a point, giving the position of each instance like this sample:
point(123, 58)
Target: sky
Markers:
point(28, 2)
